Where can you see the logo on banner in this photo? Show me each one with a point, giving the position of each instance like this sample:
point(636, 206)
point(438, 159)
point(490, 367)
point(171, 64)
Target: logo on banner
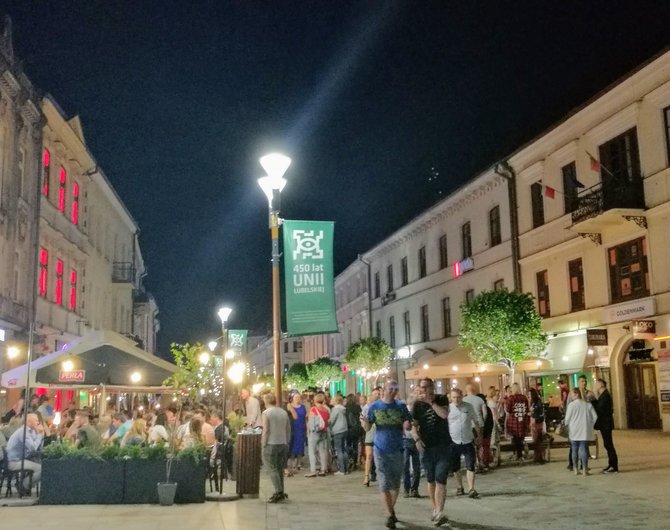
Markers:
point(236, 340)
point(72, 376)
point(308, 245)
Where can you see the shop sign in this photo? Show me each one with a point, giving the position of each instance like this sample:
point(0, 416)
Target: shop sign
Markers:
point(459, 267)
point(630, 310)
point(72, 376)
point(644, 329)
point(665, 396)
point(596, 337)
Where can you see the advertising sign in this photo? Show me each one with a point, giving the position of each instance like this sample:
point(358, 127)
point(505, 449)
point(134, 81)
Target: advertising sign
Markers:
point(596, 337)
point(237, 340)
point(72, 376)
point(308, 277)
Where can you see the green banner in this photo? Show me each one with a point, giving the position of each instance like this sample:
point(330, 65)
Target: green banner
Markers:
point(237, 340)
point(308, 277)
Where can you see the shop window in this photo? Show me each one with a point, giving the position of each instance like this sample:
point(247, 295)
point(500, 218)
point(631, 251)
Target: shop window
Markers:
point(576, 274)
point(543, 306)
point(629, 277)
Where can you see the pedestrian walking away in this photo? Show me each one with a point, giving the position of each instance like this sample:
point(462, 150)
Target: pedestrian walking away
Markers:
point(274, 441)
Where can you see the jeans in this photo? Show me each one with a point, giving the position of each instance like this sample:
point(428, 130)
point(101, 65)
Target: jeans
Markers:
point(275, 457)
point(411, 456)
point(612, 458)
point(317, 442)
point(580, 451)
point(340, 439)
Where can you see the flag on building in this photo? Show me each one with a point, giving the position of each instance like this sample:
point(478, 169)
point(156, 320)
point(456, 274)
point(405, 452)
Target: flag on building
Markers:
point(595, 164)
point(549, 192)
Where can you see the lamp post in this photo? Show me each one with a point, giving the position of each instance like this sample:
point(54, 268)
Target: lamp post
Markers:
point(224, 313)
point(275, 165)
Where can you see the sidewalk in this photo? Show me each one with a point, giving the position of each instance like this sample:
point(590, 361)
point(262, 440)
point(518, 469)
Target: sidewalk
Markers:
point(512, 497)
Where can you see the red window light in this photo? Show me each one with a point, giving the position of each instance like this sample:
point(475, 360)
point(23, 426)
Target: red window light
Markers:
point(61, 190)
point(75, 203)
point(44, 267)
point(457, 269)
point(73, 290)
point(59, 282)
point(46, 161)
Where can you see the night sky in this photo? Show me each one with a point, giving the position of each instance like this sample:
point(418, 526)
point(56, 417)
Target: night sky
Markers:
point(384, 108)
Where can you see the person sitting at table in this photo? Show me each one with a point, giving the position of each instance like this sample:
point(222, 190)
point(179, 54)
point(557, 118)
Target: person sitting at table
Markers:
point(136, 435)
point(158, 431)
point(31, 444)
point(121, 425)
point(87, 435)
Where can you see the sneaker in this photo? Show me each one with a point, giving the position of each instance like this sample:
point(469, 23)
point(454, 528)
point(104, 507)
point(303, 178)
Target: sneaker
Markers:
point(460, 491)
point(390, 522)
point(569, 468)
point(473, 494)
point(441, 519)
point(434, 516)
point(609, 471)
point(393, 516)
point(310, 475)
point(415, 494)
point(587, 471)
point(576, 472)
point(407, 495)
point(338, 474)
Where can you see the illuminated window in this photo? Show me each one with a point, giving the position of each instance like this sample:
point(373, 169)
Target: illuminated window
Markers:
point(59, 282)
point(44, 269)
point(46, 162)
point(73, 290)
point(61, 190)
point(75, 203)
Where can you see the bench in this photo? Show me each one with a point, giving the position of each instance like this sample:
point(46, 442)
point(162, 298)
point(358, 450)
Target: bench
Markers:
point(550, 442)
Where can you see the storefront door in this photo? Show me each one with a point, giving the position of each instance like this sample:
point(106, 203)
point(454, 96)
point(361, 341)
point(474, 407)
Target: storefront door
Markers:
point(642, 396)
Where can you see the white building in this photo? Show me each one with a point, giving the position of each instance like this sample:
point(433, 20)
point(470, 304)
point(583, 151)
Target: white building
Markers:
point(596, 257)
point(260, 359)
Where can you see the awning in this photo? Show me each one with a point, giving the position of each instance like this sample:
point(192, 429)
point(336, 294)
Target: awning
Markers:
point(457, 362)
point(99, 358)
point(567, 354)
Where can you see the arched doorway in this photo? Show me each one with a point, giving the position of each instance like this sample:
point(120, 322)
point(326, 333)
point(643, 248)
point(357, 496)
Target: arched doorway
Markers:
point(640, 386)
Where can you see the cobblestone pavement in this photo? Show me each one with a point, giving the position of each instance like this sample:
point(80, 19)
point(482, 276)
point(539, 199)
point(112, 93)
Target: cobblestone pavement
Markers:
point(512, 497)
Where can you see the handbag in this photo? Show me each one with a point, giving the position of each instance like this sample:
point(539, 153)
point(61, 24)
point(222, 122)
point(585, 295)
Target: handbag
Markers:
point(563, 430)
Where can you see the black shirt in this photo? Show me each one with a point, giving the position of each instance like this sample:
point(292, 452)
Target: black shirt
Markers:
point(433, 430)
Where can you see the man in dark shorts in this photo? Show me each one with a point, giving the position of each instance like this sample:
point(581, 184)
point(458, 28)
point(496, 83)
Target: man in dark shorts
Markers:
point(464, 426)
point(431, 428)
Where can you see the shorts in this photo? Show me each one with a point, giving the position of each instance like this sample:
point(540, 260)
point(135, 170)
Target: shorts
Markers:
point(468, 452)
point(436, 462)
point(390, 470)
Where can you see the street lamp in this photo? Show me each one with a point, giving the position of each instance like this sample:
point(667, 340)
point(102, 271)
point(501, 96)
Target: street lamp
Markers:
point(275, 165)
point(224, 313)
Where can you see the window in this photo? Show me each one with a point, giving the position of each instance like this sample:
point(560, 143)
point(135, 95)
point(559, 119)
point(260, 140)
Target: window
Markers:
point(44, 270)
point(392, 332)
point(286, 347)
point(499, 285)
point(542, 280)
point(570, 187)
point(389, 278)
point(46, 168)
point(446, 317)
point(61, 189)
point(75, 203)
point(466, 240)
point(469, 296)
point(628, 270)
point(378, 329)
point(444, 257)
point(73, 290)
point(22, 169)
point(537, 204)
point(576, 284)
point(620, 172)
point(422, 262)
point(59, 282)
point(408, 334)
point(425, 332)
point(377, 286)
point(404, 276)
point(494, 226)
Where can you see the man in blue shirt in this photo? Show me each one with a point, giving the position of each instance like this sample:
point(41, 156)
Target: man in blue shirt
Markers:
point(33, 446)
point(391, 419)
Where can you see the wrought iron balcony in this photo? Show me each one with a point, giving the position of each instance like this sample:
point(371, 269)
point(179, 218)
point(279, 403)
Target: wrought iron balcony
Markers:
point(597, 200)
point(123, 272)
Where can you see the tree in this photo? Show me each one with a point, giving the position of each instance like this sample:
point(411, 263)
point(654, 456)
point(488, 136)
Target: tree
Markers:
point(502, 327)
point(297, 377)
point(370, 356)
point(192, 375)
point(323, 371)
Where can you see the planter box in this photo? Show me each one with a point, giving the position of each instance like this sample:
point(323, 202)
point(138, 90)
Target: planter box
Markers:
point(89, 481)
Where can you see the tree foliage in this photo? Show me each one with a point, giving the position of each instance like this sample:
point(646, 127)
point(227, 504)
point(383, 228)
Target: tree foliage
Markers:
point(502, 327)
point(372, 355)
point(297, 377)
point(323, 371)
point(191, 375)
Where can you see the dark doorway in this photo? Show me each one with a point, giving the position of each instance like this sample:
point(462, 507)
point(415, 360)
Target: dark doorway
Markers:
point(642, 396)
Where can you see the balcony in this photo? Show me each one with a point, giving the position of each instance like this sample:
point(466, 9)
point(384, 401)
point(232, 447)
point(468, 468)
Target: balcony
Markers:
point(599, 207)
point(123, 272)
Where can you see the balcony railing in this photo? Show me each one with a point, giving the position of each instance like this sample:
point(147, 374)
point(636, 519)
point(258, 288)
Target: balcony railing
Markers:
point(123, 272)
point(597, 199)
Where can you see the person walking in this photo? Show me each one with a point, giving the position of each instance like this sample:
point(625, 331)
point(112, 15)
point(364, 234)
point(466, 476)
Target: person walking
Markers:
point(370, 470)
point(338, 430)
point(537, 427)
point(516, 422)
point(605, 424)
point(317, 439)
point(355, 430)
point(391, 418)
point(463, 429)
point(298, 414)
point(431, 427)
point(274, 441)
point(580, 417)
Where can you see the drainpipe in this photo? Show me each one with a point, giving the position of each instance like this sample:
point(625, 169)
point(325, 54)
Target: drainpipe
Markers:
point(367, 264)
point(505, 170)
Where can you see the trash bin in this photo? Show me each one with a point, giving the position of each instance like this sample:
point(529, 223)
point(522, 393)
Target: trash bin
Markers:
point(248, 464)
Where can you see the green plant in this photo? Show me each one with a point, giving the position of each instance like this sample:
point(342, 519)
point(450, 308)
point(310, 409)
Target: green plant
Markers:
point(235, 424)
point(296, 377)
point(195, 453)
point(323, 371)
point(370, 355)
point(192, 376)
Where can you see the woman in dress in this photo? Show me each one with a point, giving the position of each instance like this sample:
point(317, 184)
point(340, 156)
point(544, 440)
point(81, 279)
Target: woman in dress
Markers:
point(298, 414)
point(517, 409)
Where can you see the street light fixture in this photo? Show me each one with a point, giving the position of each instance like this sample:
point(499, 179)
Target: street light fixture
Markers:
point(275, 165)
point(224, 314)
point(212, 345)
point(204, 358)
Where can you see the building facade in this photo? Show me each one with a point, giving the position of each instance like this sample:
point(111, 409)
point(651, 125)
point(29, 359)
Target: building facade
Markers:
point(260, 360)
point(594, 209)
